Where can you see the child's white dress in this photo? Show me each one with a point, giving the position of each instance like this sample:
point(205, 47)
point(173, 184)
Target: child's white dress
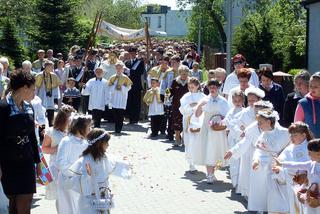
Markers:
point(87, 185)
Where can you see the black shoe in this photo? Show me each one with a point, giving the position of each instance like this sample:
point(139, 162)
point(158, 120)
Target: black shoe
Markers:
point(153, 135)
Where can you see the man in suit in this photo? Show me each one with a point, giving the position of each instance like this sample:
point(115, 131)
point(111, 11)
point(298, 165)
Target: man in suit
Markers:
point(189, 61)
point(137, 69)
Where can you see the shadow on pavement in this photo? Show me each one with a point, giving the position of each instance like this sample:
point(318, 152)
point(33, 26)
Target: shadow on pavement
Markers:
point(34, 200)
point(139, 127)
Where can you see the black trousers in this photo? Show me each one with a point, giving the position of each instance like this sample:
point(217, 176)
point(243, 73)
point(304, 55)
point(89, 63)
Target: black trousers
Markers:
point(50, 116)
point(84, 103)
point(118, 115)
point(134, 105)
point(96, 117)
point(107, 115)
point(156, 123)
point(169, 121)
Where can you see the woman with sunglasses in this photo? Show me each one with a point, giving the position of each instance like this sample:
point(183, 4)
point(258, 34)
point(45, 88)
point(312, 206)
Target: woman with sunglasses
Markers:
point(232, 81)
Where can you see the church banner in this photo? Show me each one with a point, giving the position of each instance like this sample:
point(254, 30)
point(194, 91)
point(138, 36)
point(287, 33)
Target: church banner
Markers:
point(126, 34)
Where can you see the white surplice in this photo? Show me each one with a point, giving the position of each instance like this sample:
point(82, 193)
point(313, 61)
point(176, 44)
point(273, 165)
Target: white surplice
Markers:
point(87, 185)
point(118, 98)
point(233, 139)
point(296, 153)
point(69, 151)
point(264, 193)
point(212, 144)
point(98, 93)
point(188, 103)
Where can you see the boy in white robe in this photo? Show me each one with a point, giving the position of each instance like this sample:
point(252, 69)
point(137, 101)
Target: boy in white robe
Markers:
point(156, 110)
point(233, 135)
point(97, 90)
point(119, 86)
point(296, 151)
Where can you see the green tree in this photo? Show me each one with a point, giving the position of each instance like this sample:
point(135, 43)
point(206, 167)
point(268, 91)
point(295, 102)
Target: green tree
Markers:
point(10, 44)
point(59, 25)
point(273, 32)
point(213, 17)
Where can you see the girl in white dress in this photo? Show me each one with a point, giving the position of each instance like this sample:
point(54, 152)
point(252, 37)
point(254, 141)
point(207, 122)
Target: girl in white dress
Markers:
point(296, 151)
point(233, 136)
point(52, 139)
point(264, 193)
point(69, 150)
point(90, 174)
point(313, 170)
point(246, 144)
point(246, 117)
point(187, 109)
point(212, 144)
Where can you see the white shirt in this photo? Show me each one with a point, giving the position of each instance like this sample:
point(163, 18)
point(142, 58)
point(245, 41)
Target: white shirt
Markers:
point(108, 69)
point(98, 92)
point(155, 108)
point(118, 98)
point(232, 81)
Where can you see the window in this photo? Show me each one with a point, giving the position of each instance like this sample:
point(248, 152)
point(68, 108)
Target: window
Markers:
point(159, 21)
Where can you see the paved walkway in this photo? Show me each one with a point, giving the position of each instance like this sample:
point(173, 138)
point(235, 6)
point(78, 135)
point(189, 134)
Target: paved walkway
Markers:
point(160, 183)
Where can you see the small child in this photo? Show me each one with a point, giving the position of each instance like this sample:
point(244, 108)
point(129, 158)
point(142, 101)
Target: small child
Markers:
point(156, 110)
point(195, 72)
point(311, 198)
point(71, 96)
point(119, 86)
point(296, 151)
point(308, 108)
point(90, 174)
point(204, 85)
point(234, 135)
point(97, 90)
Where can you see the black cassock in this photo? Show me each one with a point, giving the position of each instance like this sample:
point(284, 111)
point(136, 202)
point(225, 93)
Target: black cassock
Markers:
point(137, 69)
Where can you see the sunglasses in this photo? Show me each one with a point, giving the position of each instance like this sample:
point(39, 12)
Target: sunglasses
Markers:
point(237, 62)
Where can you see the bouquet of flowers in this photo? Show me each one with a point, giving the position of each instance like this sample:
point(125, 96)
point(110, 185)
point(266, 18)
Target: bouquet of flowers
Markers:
point(216, 123)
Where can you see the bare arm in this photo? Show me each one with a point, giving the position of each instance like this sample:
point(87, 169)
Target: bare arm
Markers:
point(199, 108)
point(46, 146)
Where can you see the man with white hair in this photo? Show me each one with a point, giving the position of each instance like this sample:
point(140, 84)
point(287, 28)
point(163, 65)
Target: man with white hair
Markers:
point(5, 63)
point(4, 82)
point(27, 66)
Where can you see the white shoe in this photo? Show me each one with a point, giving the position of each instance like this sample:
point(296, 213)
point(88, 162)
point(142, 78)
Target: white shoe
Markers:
point(192, 168)
point(211, 179)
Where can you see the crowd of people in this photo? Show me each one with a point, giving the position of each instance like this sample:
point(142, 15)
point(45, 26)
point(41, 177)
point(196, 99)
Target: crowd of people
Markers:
point(269, 140)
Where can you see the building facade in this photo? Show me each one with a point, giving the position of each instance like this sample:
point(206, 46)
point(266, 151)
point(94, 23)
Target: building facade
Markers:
point(173, 22)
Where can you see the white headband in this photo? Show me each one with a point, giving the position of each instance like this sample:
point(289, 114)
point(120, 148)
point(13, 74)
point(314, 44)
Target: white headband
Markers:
point(274, 115)
point(91, 142)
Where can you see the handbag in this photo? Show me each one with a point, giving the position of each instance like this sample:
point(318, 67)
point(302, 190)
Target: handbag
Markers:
point(45, 177)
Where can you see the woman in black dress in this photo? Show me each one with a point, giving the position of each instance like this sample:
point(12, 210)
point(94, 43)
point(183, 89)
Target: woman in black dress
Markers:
point(18, 145)
point(178, 88)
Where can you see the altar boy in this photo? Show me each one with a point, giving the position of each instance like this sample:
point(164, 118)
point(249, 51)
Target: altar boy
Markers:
point(119, 86)
point(97, 89)
point(156, 112)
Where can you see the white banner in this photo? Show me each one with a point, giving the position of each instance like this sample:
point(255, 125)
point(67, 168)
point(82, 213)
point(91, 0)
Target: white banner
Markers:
point(126, 34)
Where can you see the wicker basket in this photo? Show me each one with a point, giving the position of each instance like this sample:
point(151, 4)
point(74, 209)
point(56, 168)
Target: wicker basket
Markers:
point(194, 130)
point(300, 178)
point(216, 123)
